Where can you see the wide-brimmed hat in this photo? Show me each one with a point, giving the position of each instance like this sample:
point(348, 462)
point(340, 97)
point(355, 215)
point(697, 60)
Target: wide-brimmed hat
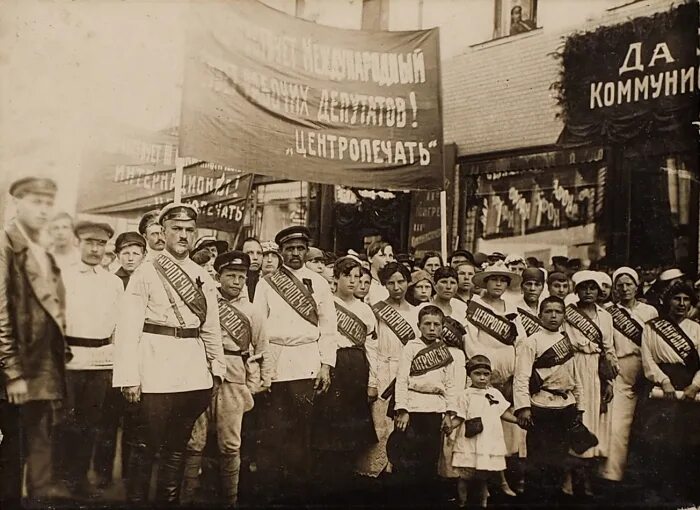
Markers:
point(497, 269)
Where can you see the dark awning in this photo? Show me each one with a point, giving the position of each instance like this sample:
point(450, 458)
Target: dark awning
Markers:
point(539, 160)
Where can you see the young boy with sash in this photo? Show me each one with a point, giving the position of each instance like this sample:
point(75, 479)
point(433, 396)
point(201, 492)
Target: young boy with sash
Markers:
point(426, 400)
point(548, 394)
point(629, 317)
point(301, 325)
point(397, 324)
point(343, 427)
point(248, 372)
point(168, 354)
point(493, 326)
point(529, 304)
point(590, 329)
point(665, 446)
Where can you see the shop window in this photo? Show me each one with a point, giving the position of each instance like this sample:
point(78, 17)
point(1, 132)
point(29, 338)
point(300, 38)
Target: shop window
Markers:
point(513, 17)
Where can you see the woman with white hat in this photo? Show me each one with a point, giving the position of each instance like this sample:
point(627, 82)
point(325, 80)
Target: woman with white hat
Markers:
point(629, 317)
point(493, 326)
point(590, 330)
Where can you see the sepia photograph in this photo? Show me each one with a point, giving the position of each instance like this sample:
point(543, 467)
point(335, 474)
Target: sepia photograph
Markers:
point(349, 254)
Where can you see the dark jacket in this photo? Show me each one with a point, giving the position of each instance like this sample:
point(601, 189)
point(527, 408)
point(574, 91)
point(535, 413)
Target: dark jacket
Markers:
point(123, 276)
point(32, 313)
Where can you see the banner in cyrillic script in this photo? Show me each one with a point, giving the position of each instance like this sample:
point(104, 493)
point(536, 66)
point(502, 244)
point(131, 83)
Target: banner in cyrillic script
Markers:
point(276, 95)
point(635, 80)
point(130, 175)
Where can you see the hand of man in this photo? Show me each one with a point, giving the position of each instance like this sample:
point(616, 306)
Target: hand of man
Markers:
point(401, 420)
point(524, 418)
point(372, 394)
point(323, 379)
point(216, 385)
point(690, 391)
point(17, 391)
point(608, 394)
point(132, 394)
point(669, 390)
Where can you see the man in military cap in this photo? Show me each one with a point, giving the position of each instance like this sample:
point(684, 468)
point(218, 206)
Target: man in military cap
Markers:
point(130, 248)
point(152, 232)
point(248, 371)
point(92, 307)
point(33, 352)
point(301, 327)
point(168, 354)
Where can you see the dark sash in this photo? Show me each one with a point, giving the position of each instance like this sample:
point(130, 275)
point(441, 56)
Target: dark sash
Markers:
point(432, 357)
point(236, 324)
point(188, 291)
point(453, 333)
point(626, 324)
point(676, 338)
point(558, 354)
point(530, 322)
point(392, 318)
point(294, 293)
point(585, 325)
point(350, 325)
point(498, 327)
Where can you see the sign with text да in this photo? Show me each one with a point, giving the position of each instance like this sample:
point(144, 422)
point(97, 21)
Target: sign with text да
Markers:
point(136, 174)
point(272, 94)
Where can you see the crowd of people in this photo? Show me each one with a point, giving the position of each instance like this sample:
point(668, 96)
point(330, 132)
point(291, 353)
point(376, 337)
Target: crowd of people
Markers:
point(279, 373)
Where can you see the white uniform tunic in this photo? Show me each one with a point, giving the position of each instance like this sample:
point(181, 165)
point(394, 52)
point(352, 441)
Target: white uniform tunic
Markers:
point(656, 350)
point(365, 313)
point(624, 400)
point(297, 347)
point(160, 363)
point(93, 296)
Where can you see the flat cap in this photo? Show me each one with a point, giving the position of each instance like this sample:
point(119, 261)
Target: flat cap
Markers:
point(148, 219)
point(497, 255)
point(40, 186)
point(558, 259)
point(235, 259)
point(533, 274)
point(83, 226)
point(291, 233)
point(182, 212)
point(129, 239)
point(463, 253)
point(204, 241)
point(557, 276)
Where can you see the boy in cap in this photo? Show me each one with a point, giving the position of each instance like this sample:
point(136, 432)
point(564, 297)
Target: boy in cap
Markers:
point(33, 352)
point(92, 306)
point(548, 395)
point(168, 354)
point(248, 371)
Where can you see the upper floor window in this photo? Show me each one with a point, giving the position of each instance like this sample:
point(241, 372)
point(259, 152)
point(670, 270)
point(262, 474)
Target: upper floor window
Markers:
point(514, 17)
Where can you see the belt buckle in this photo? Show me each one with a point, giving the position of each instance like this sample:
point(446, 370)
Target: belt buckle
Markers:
point(179, 332)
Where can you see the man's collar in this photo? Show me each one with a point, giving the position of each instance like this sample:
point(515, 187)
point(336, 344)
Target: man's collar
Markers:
point(87, 268)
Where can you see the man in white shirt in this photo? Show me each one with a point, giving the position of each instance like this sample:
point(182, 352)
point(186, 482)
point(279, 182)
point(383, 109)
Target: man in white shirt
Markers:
point(92, 305)
point(168, 355)
point(301, 327)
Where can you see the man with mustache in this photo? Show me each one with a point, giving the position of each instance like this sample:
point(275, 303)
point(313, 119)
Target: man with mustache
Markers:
point(301, 326)
point(168, 355)
point(152, 232)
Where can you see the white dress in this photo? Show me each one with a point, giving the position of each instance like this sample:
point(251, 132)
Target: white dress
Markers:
point(487, 450)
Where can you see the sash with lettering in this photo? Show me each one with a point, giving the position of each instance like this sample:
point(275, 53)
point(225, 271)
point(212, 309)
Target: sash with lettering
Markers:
point(556, 355)
point(236, 324)
point(585, 325)
point(392, 318)
point(350, 325)
point(485, 319)
point(530, 321)
point(432, 357)
point(453, 333)
point(295, 294)
point(677, 339)
point(188, 291)
point(626, 324)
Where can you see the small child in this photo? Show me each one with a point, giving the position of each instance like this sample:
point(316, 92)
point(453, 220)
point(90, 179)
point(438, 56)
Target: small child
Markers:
point(480, 447)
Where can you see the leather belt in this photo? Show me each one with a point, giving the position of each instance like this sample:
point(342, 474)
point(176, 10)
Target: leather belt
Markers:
point(75, 341)
point(157, 329)
point(242, 354)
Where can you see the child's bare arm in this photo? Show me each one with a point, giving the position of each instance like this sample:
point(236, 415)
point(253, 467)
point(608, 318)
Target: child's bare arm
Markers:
point(509, 417)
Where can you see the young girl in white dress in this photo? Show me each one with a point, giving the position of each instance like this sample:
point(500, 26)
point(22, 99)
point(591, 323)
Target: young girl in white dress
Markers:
point(479, 448)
